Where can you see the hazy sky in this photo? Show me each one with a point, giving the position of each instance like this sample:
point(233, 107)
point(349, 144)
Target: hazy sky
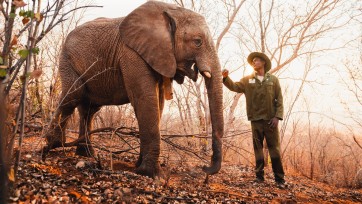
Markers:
point(114, 9)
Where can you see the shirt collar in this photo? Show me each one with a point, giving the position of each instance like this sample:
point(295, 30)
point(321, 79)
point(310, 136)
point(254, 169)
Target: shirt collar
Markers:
point(265, 75)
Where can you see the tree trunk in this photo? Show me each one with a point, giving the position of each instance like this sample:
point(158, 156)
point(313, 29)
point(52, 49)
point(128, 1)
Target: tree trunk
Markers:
point(3, 141)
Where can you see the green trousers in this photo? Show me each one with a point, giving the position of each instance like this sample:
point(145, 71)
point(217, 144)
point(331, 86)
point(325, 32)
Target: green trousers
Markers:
point(261, 130)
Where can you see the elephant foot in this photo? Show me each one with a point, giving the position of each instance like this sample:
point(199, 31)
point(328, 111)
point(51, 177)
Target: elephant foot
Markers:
point(151, 171)
point(85, 150)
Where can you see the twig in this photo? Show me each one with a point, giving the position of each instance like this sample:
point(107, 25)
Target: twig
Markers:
point(228, 25)
point(99, 162)
point(121, 132)
point(22, 106)
point(227, 193)
point(355, 139)
point(6, 16)
point(116, 152)
point(183, 149)
point(159, 195)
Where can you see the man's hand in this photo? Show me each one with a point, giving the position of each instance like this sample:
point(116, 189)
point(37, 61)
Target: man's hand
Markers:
point(225, 73)
point(273, 122)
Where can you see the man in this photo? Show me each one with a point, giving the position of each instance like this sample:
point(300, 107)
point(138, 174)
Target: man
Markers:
point(264, 107)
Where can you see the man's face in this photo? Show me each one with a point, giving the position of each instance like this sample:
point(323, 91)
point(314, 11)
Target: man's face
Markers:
point(258, 63)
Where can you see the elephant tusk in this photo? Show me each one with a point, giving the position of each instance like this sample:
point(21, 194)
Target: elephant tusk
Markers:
point(207, 74)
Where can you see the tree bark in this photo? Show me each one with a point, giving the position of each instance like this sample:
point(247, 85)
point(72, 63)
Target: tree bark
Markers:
point(3, 141)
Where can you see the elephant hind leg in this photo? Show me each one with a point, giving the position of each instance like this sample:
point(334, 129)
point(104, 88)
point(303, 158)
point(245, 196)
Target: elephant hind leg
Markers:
point(72, 91)
point(86, 114)
point(55, 135)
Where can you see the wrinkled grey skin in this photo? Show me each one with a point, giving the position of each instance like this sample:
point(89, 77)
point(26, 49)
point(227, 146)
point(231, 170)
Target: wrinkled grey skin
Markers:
point(122, 60)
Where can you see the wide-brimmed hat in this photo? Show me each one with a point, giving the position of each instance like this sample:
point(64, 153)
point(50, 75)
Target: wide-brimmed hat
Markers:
point(252, 55)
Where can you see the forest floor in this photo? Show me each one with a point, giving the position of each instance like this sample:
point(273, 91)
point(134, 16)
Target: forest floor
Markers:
point(66, 178)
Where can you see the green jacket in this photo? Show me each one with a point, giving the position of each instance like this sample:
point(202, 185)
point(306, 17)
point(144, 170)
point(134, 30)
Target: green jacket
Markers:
point(264, 99)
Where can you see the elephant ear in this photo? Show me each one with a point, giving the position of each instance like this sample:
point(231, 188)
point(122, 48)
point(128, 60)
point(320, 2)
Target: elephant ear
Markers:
point(149, 30)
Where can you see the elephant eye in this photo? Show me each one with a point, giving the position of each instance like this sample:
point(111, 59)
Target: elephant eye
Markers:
point(198, 42)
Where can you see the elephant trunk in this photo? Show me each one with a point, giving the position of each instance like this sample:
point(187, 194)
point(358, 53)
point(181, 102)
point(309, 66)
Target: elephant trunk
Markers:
point(214, 91)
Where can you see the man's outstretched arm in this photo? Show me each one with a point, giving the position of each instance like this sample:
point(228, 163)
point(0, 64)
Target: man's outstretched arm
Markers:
point(232, 86)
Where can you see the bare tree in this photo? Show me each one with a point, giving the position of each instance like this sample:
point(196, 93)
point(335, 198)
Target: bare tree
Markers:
point(35, 25)
point(4, 160)
point(353, 83)
point(295, 34)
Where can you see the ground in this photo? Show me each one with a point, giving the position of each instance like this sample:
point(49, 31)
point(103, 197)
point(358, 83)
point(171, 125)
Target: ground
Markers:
point(66, 178)
point(75, 179)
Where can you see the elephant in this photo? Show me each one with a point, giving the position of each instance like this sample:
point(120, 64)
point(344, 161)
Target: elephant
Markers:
point(115, 61)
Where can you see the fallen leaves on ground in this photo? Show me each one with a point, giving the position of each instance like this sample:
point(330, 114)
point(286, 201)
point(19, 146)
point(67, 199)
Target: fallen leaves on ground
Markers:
point(60, 180)
point(66, 178)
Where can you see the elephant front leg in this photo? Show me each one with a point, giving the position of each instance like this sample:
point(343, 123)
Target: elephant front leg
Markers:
point(161, 101)
point(147, 112)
